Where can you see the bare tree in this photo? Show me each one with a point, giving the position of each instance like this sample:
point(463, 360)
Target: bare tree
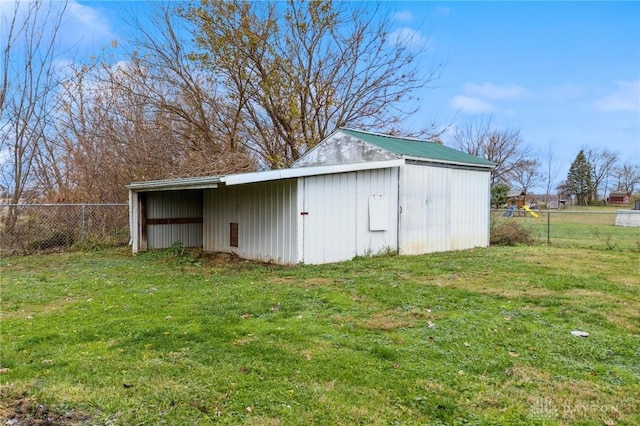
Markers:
point(550, 170)
point(563, 190)
point(628, 176)
point(28, 83)
point(297, 71)
point(503, 147)
point(110, 135)
point(151, 116)
point(78, 165)
point(526, 176)
point(200, 119)
point(603, 164)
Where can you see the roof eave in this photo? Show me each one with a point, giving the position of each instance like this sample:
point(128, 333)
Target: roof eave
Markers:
point(450, 162)
point(308, 171)
point(213, 182)
point(208, 182)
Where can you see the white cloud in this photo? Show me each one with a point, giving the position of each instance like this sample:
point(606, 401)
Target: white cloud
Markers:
point(82, 27)
point(471, 105)
point(85, 26)
point(625, 97)
point(408, 38)
point(491, 91)
point(403, 16)
point(481, 98)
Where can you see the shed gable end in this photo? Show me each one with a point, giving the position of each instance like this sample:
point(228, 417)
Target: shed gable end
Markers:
point(341, 148)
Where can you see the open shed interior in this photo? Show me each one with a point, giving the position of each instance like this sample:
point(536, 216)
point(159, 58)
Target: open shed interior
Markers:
point(170, 216)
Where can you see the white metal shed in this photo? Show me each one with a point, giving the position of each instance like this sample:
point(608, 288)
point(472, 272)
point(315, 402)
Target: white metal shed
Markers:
point(355, 193)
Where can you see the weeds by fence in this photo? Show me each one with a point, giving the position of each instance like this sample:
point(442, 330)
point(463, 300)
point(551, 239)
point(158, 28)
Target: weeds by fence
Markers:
point(30, 228)
point(608, 230)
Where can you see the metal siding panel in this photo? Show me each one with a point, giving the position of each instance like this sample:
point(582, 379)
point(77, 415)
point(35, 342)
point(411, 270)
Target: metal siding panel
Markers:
point(330, 225)
point(174, 204)
point(264, 213)
point(272, 229)
point(299, 218)
point(470, 209)
point(377, 182)
point(438, 211)
point(443, 209)
point(134, 221)
point(217, 214)
point(425, 200)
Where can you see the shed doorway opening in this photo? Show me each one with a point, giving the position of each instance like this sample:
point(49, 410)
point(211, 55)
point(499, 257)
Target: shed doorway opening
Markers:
point(167, 217)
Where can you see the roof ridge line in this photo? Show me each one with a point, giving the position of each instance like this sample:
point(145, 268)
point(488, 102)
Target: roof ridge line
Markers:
point(383, 135)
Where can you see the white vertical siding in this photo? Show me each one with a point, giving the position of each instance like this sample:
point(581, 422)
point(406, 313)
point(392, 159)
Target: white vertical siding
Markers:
point(470, 209)
point(266, 218)
point(382, 184)
point(329, 218)
point(425, 202)
point(134, 222)
point(442, 209)
point(336, 215)
point(174, 205)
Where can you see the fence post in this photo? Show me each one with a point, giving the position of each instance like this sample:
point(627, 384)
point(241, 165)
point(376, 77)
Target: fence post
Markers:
point(548, 227)
point(84, 223)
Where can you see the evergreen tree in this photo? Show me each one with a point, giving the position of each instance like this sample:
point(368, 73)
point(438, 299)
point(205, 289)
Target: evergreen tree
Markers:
point(499, 195)
point(579, 179)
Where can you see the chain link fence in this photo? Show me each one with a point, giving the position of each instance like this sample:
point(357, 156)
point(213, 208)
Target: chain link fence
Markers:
point(608, 230)
point(32, 228)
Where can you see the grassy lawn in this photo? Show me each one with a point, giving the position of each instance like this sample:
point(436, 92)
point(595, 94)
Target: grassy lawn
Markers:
point(574, 228)
point(474, 337)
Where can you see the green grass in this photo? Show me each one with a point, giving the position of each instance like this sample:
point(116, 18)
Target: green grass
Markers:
point(474, 337)
point(578, 229)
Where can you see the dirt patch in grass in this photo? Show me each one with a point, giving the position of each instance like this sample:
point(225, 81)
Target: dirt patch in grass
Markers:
point(50, 308)
point(626, 281)
point(22, 410)
point(508, 289)
point(529, 292)
point(318, 282)
point(306, 283)
point(390, 319)
point(262, 421)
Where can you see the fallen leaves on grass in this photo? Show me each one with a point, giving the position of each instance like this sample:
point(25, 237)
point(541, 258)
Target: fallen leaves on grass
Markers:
point(24, 410)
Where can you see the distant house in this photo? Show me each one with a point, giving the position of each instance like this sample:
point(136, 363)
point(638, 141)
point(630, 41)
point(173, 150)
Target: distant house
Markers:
point(619, 197)
point(516, 198)
point(355, 193)
point(556, 203)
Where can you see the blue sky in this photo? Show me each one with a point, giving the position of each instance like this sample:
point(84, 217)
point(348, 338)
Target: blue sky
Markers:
point(566, 74)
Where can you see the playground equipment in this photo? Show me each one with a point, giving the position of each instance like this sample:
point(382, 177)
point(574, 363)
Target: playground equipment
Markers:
point(527, 209)
point(510, 211)
point(515, 211)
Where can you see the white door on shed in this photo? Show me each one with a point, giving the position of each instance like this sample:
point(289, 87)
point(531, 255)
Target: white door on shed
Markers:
point(329, 218)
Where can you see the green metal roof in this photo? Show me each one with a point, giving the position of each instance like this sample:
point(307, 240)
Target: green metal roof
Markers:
point(417, 148)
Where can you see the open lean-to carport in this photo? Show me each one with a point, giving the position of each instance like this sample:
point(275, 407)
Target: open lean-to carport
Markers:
point(311, 215)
